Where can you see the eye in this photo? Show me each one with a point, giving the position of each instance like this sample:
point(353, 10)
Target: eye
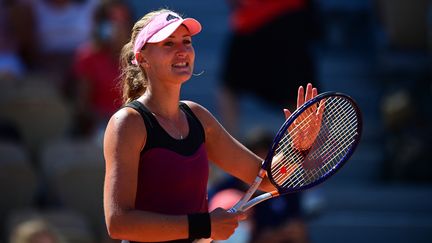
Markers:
point(168, 43)
point(187, 42)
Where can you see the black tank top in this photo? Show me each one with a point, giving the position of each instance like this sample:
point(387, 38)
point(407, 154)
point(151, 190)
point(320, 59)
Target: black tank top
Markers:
point(173, 173)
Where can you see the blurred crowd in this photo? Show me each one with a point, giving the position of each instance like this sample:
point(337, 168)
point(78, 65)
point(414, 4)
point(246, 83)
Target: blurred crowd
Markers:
point(58, 75)
point(58, 88)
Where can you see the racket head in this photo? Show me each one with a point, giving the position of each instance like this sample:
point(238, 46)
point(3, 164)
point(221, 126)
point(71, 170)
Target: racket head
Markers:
point(340, 129)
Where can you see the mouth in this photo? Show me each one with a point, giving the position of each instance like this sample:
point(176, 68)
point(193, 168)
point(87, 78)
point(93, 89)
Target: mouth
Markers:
point(181, 65)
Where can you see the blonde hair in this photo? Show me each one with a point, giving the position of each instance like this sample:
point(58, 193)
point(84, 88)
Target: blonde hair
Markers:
point(133, 79)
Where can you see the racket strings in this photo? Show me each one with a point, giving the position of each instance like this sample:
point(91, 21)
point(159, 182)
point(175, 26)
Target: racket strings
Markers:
point(298, 127)
point(282, 155)
point(294, 155)
point(313, 174)
point(351, 121)
point(310, 175)
point(293, 168)
point(286, 140)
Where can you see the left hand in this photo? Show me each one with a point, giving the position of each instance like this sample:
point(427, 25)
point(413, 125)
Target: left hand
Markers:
point(307, 126)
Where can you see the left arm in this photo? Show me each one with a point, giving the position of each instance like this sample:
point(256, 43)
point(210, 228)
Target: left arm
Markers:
point(228, 153)
point(233, 157)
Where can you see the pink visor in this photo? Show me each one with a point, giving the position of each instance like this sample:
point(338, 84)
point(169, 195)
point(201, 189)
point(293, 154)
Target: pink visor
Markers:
point(162, 26)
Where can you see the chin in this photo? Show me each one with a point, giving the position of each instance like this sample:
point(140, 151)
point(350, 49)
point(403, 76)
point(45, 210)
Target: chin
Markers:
point(184, 76)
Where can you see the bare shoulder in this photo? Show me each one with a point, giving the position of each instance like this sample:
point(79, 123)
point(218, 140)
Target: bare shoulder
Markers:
point(126, 124)
point(200, 111)
point(206, 118)
point(126, 118)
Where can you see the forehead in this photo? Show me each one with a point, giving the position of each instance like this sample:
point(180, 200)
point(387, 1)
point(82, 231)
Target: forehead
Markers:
point(180, 32)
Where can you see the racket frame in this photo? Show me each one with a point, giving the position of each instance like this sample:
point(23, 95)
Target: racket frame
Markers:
point(288, 123)
point(244, 204)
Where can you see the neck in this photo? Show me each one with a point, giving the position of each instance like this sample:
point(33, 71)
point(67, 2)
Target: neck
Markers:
point(163, 103)
point(165, 107)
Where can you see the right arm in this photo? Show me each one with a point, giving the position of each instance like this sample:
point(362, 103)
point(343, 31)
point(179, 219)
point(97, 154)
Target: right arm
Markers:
point(125, 137)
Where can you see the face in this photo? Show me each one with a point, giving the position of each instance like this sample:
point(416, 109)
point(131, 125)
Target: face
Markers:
point(171, 59)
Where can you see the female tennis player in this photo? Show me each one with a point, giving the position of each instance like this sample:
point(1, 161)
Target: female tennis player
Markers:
point(157, 148)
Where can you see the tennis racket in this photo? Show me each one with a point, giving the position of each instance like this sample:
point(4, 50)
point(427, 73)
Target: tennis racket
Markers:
point(311, 146)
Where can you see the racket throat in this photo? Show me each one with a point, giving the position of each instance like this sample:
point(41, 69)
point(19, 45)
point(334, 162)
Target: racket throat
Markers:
point(252, 189)
point(259, 199)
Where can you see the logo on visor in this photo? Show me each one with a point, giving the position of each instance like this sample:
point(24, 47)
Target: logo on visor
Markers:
point(170, 17)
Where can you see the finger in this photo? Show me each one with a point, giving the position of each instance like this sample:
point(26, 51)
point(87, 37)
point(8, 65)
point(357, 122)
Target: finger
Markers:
point(300, 96)
point(287, 113)
point(308, 95)
point(314, 92)
point(242, 216)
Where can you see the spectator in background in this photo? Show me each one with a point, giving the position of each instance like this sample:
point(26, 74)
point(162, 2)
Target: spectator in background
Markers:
point(60, 27)
point(18, 18)
point(96, 66)
point(268, 54)
point(12, 66)
point(35, 231)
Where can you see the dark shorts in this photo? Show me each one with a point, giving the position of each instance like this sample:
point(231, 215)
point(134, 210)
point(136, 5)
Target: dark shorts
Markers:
point(271, 62)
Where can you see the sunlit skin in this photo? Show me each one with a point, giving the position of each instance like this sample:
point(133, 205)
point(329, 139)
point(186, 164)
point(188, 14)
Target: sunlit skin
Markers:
point(168, 64)
point(307, 126)
point(170, 60)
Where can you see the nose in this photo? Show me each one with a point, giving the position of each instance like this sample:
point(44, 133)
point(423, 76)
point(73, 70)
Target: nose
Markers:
point(182, 51)
point(181, 54)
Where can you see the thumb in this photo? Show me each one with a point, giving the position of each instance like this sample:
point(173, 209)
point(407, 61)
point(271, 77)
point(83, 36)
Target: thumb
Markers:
point(287, 113)
point(241, 216)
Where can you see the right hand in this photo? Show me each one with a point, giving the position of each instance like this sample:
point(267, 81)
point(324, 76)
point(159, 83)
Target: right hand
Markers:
point(223, 223)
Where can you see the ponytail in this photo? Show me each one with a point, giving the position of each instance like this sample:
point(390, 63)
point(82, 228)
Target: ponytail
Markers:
point(133, 79)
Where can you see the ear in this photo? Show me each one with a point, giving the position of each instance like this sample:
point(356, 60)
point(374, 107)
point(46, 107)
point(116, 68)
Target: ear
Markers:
point(141, 60)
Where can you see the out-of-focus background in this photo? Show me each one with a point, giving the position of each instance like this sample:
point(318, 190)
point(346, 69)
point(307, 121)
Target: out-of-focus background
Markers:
point(54, 94)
